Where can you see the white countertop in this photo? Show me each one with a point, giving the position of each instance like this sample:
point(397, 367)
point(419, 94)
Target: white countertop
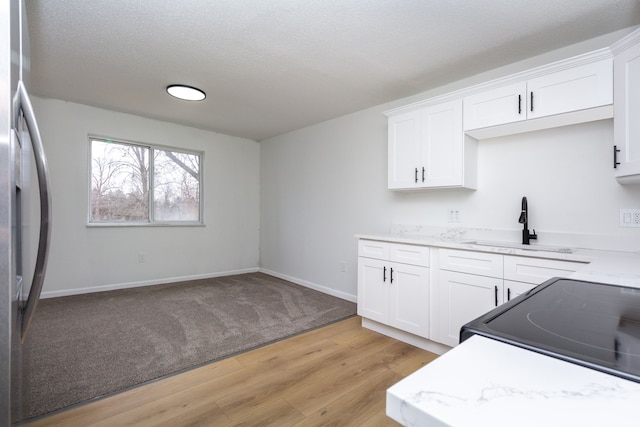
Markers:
point(483, 382)
point(486, 382)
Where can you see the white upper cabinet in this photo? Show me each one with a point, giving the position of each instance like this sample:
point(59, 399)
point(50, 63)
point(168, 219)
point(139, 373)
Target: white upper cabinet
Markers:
point(427, 149)
point(577, 88)
point(404, 150)
point(443, 150)
point(626, 126)
point(571, 89)
point(494, 107)
point(433, 143)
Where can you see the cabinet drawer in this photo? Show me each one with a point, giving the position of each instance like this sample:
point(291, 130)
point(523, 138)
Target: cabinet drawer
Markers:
point(409, 254)
point(373, 249)
point(480, 263)
point(537, 270)
point(395, 252)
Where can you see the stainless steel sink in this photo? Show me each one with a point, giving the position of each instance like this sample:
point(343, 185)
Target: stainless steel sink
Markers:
point(541, 248)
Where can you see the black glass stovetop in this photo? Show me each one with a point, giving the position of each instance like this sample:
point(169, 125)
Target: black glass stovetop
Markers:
point(591, 324)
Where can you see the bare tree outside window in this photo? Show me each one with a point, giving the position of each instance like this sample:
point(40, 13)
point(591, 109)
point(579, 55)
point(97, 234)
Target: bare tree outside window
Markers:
point(176, 186)
point(121, 182)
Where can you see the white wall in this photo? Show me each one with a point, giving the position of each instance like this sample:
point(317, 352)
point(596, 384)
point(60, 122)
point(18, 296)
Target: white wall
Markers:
point(566, 174)
point(322, 184)
point(90, 258)
point(293, 203)
point(318, 187)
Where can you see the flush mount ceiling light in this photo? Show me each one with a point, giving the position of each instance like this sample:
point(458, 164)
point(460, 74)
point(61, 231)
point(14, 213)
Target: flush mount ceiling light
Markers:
point(185, 92)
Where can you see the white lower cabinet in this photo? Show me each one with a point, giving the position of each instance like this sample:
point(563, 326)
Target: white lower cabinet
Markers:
point(461, 298)
point(391, 292)
point(473, 283)
point(373, 291)
point(513, 289)
point(405, 294)
point(469, 284)
point(409, 299)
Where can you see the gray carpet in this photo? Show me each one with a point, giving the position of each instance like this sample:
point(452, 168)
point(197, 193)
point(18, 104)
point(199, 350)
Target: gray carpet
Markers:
point(85, 346)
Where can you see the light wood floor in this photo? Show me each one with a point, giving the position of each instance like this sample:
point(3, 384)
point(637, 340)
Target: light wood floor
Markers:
point(336, 375)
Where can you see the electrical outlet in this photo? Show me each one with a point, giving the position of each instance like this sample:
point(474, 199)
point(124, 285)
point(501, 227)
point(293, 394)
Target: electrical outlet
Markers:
point(454, 215)
point(630, 218)
point(142, 257)
point(343, 266)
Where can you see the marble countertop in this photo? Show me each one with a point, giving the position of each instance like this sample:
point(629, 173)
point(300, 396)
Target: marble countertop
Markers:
point(483, 382)
point(486, 382)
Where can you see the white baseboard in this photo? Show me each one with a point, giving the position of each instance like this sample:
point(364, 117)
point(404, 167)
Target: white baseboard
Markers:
point(102, 288)
point(314, 286)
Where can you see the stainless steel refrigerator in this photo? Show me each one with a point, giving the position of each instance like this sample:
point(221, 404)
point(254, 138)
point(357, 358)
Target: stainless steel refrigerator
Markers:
point(25, 209)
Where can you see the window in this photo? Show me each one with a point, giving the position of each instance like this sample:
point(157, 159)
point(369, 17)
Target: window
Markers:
point(144, 184)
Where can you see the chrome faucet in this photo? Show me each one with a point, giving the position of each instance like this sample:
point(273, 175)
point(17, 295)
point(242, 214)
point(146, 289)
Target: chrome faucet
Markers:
point(524, 219)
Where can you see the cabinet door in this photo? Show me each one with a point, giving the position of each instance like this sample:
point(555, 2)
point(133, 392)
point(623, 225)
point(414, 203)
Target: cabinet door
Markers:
point(494, 107)
point(373, 289)
point(462, 298)
point(442, 154)
point(574, 89)
point(404, 150)
point(513, 289)
point(409, 298)
point(626, 126)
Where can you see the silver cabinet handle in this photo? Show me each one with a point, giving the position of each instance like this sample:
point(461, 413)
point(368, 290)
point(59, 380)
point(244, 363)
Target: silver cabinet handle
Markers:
point(22, 103)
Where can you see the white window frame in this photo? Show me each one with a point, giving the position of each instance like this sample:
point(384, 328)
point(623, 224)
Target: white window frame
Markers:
point(151, 222)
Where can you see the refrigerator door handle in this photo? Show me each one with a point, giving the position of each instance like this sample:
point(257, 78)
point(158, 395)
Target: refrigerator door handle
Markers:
point(23, 103)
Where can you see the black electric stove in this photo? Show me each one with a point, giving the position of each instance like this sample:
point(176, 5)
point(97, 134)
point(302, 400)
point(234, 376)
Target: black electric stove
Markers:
point(590, 324)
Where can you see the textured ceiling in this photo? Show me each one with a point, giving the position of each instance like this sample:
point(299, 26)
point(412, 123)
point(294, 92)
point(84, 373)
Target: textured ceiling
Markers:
point(269, 67)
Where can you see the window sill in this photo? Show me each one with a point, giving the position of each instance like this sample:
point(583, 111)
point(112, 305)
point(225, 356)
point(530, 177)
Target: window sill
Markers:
point(144, 224)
